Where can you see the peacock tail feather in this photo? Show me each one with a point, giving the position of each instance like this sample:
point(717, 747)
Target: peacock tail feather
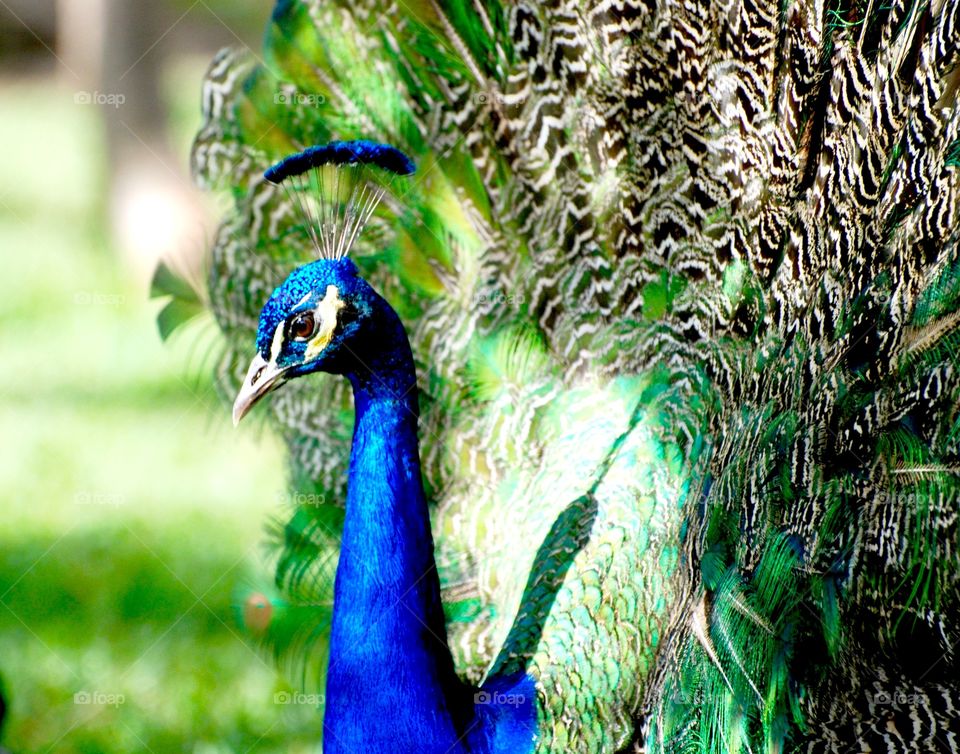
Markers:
point(681, 282)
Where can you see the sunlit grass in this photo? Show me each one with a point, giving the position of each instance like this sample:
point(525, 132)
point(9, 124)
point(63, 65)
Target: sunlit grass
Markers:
point(131, 507)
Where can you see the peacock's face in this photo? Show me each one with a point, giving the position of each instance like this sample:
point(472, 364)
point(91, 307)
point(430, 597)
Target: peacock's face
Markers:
point(306, 326)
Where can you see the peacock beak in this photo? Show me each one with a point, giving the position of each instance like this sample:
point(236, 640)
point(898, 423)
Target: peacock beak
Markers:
point(262, 377)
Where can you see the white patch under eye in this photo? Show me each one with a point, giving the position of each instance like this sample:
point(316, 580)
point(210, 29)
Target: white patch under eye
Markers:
point(276, 344)
point(327, 314)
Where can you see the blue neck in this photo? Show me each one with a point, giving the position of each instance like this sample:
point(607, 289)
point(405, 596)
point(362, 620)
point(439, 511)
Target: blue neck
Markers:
point(391, 684)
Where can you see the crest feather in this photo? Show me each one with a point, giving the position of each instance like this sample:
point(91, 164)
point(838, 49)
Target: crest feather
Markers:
point(330, 187)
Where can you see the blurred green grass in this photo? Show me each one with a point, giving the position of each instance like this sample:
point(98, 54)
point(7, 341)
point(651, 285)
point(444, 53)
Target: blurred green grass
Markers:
point(131, 508)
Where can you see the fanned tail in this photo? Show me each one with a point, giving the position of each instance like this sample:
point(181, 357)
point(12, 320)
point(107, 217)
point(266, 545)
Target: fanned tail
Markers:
point(681, 282)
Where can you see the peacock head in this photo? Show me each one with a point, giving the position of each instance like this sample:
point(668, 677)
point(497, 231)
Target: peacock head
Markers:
point(313, 322)
point(325, 317)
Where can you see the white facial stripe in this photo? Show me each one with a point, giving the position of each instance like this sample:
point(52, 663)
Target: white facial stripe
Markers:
point(328, 311)
point(276, 344)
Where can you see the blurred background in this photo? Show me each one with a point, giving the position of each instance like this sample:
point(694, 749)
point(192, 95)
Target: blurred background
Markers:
point(132, 509)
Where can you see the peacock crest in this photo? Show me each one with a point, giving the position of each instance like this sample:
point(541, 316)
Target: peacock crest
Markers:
point(330, 187)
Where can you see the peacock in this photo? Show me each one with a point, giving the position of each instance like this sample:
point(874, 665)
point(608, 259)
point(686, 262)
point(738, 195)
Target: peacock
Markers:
point(649, 314)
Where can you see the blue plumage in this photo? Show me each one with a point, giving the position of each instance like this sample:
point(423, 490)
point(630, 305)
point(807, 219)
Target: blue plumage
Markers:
point(359, 152)
point(391, 682)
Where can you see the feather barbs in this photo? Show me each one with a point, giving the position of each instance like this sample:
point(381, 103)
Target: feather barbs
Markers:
point(335, 193)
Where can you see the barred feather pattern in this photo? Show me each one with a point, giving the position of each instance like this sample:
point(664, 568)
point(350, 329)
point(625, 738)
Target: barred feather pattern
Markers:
point(681, 280)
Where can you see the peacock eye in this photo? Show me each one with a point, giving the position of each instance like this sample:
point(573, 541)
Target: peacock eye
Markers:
point(302, 326)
